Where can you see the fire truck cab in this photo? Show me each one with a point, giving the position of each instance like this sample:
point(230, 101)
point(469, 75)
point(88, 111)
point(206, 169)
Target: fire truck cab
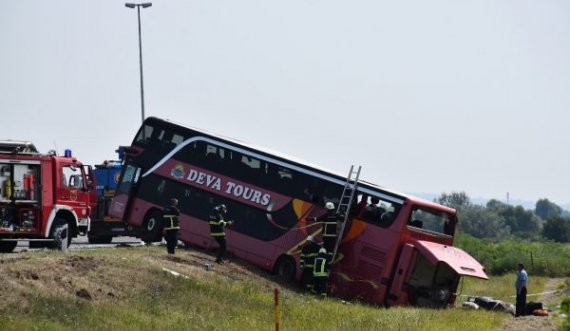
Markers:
point(44, 198)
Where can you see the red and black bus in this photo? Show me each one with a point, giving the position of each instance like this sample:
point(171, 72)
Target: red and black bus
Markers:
point(400, 251)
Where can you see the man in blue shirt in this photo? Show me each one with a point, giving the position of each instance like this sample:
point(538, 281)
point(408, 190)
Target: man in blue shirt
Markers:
point(520, 285)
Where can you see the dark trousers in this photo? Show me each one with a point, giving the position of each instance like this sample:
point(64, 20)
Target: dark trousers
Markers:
point(328, 244)
point(320, 285)
point(221, 249)
point(171, 237)
point(307, 279)
point(521, 302)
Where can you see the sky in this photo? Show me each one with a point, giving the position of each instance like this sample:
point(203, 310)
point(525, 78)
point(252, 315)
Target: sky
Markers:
point(428, 96)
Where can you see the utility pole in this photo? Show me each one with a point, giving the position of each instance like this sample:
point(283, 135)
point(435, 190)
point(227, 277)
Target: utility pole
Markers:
point(138, 6)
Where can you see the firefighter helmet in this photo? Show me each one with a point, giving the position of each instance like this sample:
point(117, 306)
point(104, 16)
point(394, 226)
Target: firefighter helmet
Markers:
point(309, 238)
point(329, 205)
point(221, 208)
point(322, 250)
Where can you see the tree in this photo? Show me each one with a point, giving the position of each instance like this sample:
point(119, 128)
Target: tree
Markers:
point(456, 200)
point(546, 209)
point(557, 229)
point(521, 222)
point(482, 222)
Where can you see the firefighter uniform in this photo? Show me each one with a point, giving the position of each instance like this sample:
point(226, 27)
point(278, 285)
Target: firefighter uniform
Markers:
point(170, 225)
point(217, 225)
point(321, 273)
point(329, 223)
point(308, 254)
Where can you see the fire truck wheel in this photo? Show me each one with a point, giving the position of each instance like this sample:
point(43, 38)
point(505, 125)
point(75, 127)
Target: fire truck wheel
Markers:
point(57, 223)
point(152, 227)
point(7, 246)
point(285, 267)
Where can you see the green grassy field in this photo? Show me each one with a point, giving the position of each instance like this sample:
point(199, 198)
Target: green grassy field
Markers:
point(128, 290)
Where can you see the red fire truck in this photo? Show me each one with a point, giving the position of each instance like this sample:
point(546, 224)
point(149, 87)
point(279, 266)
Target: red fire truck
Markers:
point(44, 198)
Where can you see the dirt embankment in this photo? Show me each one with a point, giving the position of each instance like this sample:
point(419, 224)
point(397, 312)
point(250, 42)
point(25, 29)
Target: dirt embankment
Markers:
point(117, 274)
point(113, 275)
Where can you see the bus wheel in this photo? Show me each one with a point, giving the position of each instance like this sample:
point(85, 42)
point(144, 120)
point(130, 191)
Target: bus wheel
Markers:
point(285, 267)
point(7, 246)
point(152, 228)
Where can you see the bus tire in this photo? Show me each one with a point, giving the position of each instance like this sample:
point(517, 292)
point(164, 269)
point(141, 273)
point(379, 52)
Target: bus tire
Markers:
point(99, 239)
point(285, 267)
point(8, 246)
point(152, 227)
point(58, 223)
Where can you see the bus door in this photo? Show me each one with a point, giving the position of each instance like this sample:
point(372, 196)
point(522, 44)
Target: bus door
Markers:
point(397, 293)
point(125, 190)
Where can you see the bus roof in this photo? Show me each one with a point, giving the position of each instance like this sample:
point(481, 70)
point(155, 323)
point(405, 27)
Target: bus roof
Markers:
point(365, 186)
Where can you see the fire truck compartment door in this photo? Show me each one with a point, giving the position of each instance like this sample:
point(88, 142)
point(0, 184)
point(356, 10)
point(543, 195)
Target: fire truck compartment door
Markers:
point(463, 263)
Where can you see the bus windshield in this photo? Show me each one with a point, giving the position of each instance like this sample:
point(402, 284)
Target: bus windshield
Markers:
point(431, 220)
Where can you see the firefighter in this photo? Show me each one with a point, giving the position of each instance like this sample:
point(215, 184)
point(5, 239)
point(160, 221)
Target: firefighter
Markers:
point(308, 254)
point(330, 221)
point(217, 225)
point(321, 273)
point(170, 225)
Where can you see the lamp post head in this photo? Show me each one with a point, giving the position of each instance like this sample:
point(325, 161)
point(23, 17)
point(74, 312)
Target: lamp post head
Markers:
point(133, 5)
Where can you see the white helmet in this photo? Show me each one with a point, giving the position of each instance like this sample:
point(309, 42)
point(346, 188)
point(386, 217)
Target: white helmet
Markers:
point(322, 250)
point(329, 205)
point(309, 238)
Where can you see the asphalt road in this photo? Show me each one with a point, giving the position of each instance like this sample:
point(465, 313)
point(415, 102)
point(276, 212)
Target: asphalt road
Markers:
point(81, 243)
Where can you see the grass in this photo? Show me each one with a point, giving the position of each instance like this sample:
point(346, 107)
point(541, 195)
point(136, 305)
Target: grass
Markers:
point(499, 287)
point(216, 300)
point(540, 258)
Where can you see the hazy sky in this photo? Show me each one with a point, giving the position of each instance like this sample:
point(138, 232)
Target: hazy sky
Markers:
point(428, 96)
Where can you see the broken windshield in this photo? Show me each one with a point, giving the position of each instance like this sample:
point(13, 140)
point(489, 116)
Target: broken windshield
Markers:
point(431, 220)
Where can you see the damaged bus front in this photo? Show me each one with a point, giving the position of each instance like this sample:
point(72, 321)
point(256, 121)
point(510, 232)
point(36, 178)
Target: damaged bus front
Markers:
point(429, 267)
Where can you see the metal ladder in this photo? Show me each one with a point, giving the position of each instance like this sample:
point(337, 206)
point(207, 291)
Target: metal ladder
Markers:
point(345, 203)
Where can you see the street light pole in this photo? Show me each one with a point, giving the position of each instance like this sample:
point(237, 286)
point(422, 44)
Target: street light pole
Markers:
point(138, 6)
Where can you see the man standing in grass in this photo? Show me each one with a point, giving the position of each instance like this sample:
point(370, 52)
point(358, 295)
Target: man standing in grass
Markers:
point(321, 273)
point(217, 225)
point(520, 285)
point(170, 225)
point(308, 254)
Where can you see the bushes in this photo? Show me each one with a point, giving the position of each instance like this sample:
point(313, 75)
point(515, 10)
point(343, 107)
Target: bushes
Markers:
point(565, 307)
point(541, 259)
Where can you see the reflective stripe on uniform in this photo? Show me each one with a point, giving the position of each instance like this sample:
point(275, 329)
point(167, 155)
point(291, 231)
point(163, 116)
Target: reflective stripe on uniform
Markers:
point(319, 269)
point(217, 227)
point(172, 219)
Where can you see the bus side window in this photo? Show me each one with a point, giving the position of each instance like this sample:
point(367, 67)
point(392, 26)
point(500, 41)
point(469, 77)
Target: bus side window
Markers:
point(373, 211)
point(314, 191)
point(145, 134)
point(358, 204)
point(177, 139)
